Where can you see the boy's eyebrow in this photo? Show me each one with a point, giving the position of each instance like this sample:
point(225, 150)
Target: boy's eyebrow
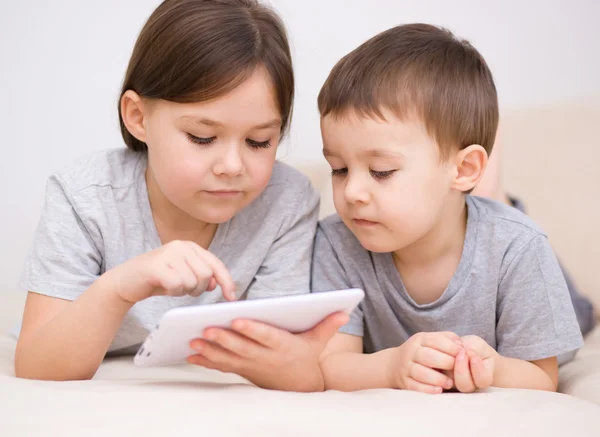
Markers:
point(382, 153)
point(372, 152)
point(208, 122)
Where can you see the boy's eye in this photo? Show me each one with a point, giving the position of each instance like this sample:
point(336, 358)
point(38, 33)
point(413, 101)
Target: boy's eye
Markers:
point(339, 171)
point(198, 140)
point(258, 144)
point(382, 174)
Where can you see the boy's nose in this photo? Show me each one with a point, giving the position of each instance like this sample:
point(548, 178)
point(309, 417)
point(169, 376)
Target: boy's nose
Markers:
point(355, 191)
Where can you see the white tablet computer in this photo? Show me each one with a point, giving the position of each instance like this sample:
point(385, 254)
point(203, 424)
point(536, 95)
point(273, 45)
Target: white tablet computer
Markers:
point(169, 343)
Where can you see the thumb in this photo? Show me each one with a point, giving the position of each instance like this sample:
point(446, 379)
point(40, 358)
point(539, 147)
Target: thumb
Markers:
point(328, 327)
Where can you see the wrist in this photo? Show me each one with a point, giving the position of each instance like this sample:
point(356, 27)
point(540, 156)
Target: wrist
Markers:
point(498, 364)
point(308, 380)
point(392, 359)
point(312, 379)
point(115, 288)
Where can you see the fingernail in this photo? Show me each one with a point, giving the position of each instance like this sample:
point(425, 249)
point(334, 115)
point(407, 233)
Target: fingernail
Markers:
point(196, 346)
point(210, 335)
point(449, 384)
point(239, 325)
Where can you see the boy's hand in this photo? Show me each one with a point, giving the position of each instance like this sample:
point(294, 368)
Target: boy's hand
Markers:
point(418, 361)
point(475, 365)
point(267, 356)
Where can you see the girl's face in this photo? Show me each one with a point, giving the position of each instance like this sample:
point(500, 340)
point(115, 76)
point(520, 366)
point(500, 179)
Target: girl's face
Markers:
point(213, 158)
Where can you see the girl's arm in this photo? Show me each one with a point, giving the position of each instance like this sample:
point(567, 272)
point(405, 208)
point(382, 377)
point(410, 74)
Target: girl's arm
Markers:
point(63, 340)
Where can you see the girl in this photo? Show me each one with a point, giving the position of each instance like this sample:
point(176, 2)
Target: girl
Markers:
point(194, 210)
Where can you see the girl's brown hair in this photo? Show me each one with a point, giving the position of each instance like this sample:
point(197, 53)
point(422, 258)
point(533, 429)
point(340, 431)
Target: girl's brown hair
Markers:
point(198, 50)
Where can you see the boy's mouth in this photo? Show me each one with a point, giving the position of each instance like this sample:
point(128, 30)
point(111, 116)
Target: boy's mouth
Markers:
point(225, 194)
point(363, 222)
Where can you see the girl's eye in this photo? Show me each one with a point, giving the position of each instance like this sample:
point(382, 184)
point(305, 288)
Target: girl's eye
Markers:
point(258, 144)
point(382, 174)
point(339, 171)
point(198, 140)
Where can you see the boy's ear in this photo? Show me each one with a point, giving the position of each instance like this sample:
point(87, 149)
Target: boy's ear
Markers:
point(470, 166)
point(133, 111)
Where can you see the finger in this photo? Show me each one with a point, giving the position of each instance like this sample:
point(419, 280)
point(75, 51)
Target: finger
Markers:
point(169, 281)
point(236, 343)
point(450, 335)
point(201, 271)
point(204, 362)
point(462, 374)
point(212, 284)
point(478, 346)
point(265, 335)
point(426, 375)
point(442, 342)
point(327, 328)
point(220, 272)
point(482, 375)
point(224, 359)
point(413, 385)
point(434, 359)
point(188, 279)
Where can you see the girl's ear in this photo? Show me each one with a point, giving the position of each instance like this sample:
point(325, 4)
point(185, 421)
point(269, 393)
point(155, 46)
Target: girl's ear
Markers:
point(133, 113)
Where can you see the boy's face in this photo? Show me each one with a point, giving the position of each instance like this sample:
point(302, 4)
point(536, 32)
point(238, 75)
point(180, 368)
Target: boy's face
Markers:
point(390, 186)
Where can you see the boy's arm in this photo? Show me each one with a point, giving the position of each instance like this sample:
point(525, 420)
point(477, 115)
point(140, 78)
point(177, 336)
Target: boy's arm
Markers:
point(480, 366)
point(346, 368)
point(535, 375)
point(417, 364)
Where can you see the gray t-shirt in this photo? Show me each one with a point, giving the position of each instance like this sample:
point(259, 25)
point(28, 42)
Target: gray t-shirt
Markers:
point(97, 215)
point(508, 288)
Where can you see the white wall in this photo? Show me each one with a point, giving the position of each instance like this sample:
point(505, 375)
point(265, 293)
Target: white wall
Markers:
point(61, 63)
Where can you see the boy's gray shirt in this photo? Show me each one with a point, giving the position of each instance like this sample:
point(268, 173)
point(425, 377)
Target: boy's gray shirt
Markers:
point(508, 288)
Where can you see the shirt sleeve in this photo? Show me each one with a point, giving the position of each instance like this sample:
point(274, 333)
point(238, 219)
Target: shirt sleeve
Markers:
point(62, 261)
point(535, 318)
point(328, 274)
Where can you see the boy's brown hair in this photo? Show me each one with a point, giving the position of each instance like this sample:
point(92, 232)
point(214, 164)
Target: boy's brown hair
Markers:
point(418, 70)
point(198, 50)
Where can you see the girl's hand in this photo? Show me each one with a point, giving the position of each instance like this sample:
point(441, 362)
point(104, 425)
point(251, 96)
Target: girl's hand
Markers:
point(268, 357)
point(176, 269)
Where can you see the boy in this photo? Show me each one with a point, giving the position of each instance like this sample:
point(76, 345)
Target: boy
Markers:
point(461, 292)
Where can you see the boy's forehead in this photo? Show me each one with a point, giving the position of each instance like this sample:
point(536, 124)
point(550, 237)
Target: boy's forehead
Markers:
point(372, 136)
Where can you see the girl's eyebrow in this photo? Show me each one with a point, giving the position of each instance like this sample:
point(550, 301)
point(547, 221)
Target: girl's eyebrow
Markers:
point(208, 122)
